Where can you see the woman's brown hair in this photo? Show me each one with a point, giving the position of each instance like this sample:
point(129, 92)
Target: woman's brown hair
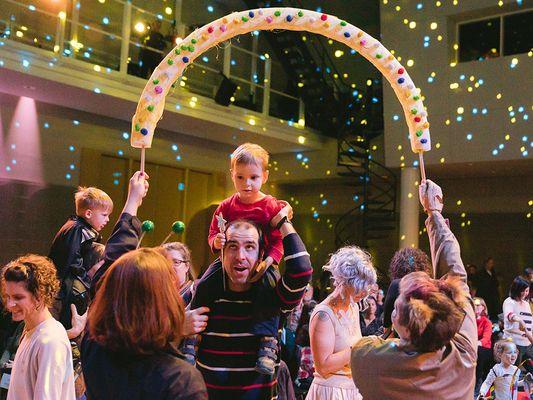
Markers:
point(38, 274)
point(136, 308)
point(430, 309)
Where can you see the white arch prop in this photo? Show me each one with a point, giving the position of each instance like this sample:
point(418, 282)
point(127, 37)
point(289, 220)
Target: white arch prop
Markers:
point(152, 101)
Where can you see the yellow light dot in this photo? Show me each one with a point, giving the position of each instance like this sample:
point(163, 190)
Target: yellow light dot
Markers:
point(442, 160)
point(528, 215)
point(433, 26)
point(345, 75)
point(168, 10)
point(460, 110)
point(438, 3)
point(374, 148)
point(182, 83)
point(192, 103)
point(469, 89)
point(454, 85)
point(328, 172)
point(463, 215)
point(513, 120)
point(500, 3)
point(409, 195)
point(304, 38)
point(530, 202)
point(447, 122)
point(510, 108)
point(410, 63)
point(433, 74)
point(463, 224)
point(19, 34)
point(251, 121)
point(97, 68)
point(402, 237)
point(455, 2)
point(437, 145)
point(301, 122)
point(301, 139)
point(339, 53)
point(286, 172)
point(402, 158)
point(468, 223)
point(507, 137)
point(459, 202)
point(523, 148)
point(397, 8)
point(439, 38)
point(300, 84)
point(140, 27)
point(402, 165)
point(412, 24)
point(453, 64)
point(472, 77)
point(476, 85)
point(399, 147)
point(405, 21)
point(62, 15)
point(499, 96)
point(385, 1)
point(369, 82)
point(456, 46)
point(514, 61)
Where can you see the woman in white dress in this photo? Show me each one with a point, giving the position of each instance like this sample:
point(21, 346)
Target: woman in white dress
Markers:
point(335, 325)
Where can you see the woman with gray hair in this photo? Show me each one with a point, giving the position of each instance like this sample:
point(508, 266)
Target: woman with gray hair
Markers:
point(334, 326)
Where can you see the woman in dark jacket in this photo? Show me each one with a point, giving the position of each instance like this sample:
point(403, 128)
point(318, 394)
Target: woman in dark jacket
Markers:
point(135, 320)
point(134, 323)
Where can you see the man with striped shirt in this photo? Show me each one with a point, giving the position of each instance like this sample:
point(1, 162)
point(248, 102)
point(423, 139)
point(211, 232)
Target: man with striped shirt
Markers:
point(228, 350)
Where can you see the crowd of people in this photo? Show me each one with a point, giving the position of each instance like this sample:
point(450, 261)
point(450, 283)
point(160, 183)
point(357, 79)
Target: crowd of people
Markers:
point(114, 321)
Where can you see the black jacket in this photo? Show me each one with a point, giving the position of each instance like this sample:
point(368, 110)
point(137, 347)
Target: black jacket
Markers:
point(69, 244)
point(117, 376)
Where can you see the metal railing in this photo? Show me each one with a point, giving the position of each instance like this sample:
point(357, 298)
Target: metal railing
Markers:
point(119, 42)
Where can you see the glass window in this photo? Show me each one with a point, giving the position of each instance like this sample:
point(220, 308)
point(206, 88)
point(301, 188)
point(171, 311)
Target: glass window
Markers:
point(518, 33)
point(479, 40)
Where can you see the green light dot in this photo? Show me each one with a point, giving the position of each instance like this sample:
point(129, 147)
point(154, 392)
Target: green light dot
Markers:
point(155, 81)
point(277, 13)
point(419, 133)
point(343, 23)
point(414, 111)
point(193, 41)
point(300, 13)
point(379, 55)
point(191, 48)
point(177, 51)
point(150, 108)
point(183, 47)
point(244, 19)
point(170, 61)
point(416, 98)
point(137, 127)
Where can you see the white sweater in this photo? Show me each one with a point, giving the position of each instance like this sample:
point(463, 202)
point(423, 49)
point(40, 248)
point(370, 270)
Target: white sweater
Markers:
point(43, 365)
point(522, 310)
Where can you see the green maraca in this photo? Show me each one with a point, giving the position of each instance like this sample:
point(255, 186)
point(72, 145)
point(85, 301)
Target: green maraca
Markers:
point(178, 227)
point(146, 226)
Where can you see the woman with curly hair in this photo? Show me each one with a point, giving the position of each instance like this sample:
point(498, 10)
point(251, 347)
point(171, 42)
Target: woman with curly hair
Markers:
point(42, 368)
point(335, 327)
point(435, 355)
point(403, 262)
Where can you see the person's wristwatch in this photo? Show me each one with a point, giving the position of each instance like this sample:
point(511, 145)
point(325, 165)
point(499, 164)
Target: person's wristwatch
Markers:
point(282, 221)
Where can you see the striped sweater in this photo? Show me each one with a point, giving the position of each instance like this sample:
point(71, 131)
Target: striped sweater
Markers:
point(227, 352)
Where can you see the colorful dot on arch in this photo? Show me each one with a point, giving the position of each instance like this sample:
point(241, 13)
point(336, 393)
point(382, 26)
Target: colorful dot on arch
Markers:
point(323, 17)
point(185, 59)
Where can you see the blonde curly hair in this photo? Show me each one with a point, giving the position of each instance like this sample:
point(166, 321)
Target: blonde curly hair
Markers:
point(38, 274)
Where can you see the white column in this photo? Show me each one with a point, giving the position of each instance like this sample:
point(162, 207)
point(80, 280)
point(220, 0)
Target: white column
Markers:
point(266, 91)
point(74, 26)
point(253, 67)
point(226, 68)
point(126, 33)
point(409, 207)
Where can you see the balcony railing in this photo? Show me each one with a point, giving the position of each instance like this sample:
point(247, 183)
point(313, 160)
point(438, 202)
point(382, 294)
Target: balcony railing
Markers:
point(121, 36)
